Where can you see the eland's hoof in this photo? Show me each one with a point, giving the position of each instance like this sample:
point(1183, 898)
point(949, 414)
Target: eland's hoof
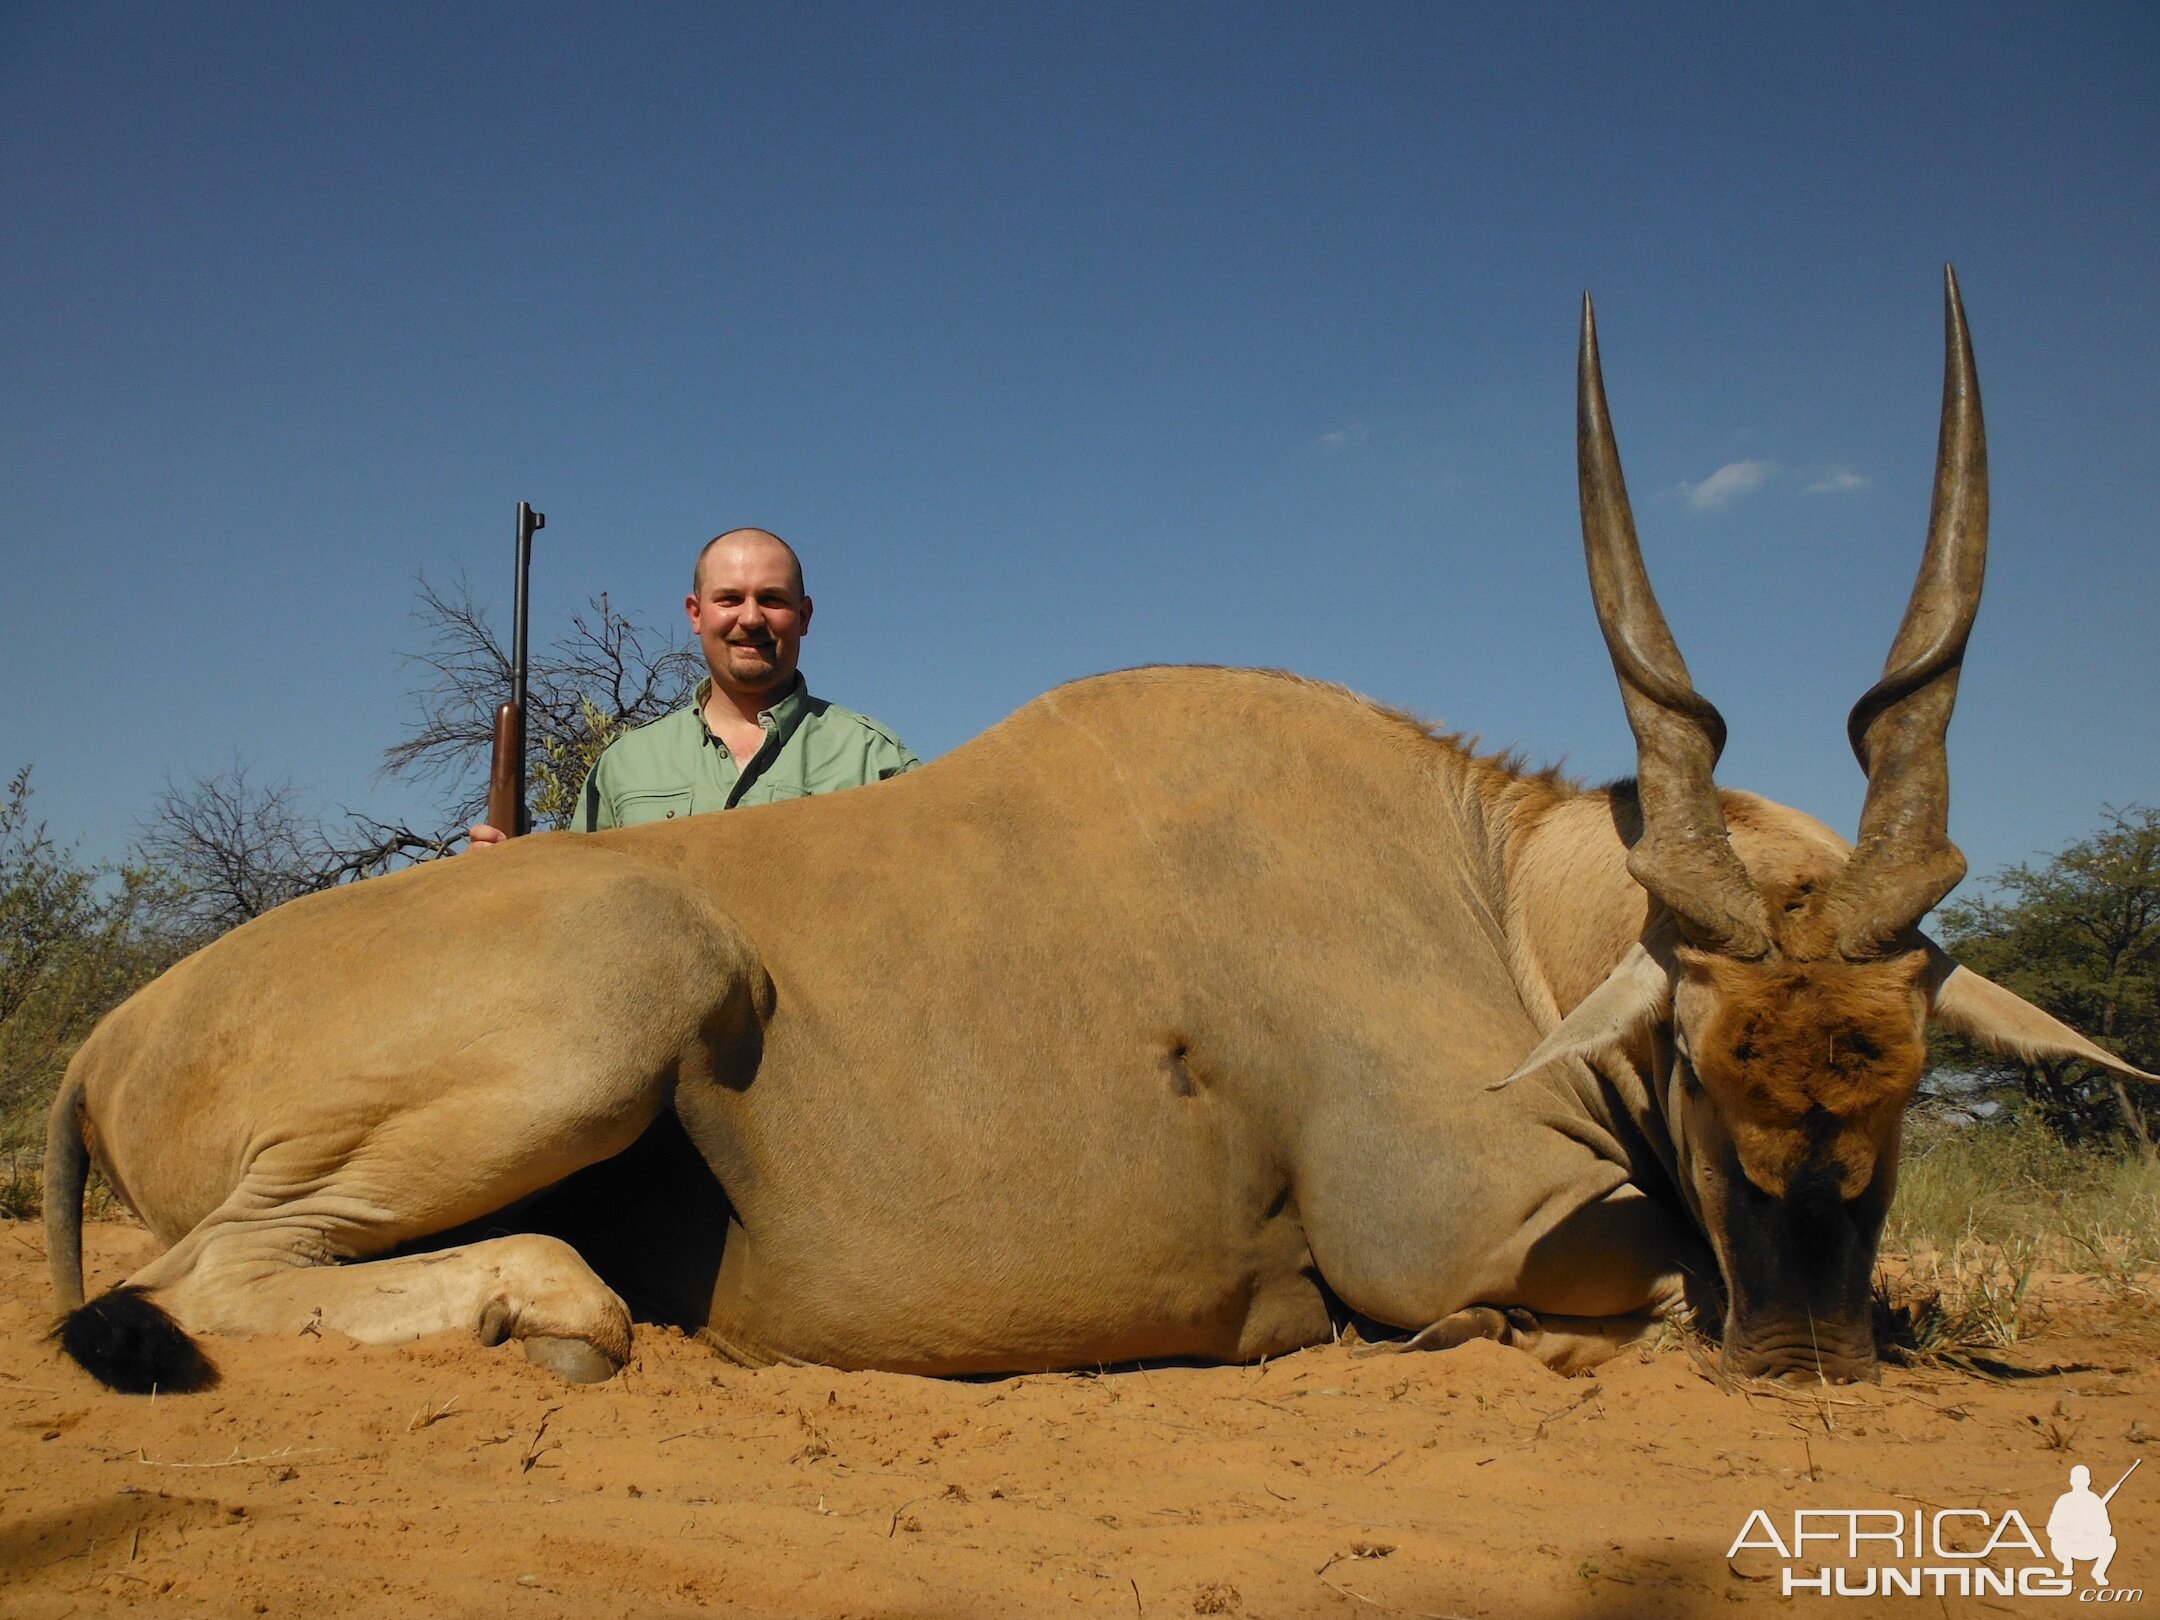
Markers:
point(572, 1359)
point(1478, 1322)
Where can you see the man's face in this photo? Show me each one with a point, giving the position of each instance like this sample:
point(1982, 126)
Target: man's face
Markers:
point(750, 614)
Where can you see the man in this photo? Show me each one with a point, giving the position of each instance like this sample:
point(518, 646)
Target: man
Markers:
point(752, 733)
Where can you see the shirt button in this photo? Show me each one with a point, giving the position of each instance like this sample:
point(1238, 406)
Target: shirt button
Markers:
point(671, 815)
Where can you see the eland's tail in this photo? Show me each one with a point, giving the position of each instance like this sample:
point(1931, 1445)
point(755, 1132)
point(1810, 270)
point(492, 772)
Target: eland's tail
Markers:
point(123, 1338)
point(67, 1167)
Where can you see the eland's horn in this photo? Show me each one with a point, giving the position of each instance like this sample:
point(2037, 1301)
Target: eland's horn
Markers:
point(1685, 857)
point(1904, 862)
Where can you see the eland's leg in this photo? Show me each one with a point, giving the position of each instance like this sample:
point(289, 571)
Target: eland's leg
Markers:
point(1577, 1294)
point(1567, 1344)
point(537, 1290)
point(1570, 1273)
point(291, 1247)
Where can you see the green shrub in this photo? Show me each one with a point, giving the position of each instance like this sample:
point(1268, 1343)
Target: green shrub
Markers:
point(74, 943)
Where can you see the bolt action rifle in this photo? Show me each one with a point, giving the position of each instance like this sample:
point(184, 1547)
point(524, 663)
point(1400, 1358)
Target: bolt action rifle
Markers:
point(506, 769)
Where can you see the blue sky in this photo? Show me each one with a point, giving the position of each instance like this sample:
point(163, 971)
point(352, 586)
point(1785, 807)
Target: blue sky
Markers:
point(1067, 338)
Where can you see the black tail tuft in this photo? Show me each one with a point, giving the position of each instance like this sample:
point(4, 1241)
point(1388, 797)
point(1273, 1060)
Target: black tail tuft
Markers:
point(126, 1342)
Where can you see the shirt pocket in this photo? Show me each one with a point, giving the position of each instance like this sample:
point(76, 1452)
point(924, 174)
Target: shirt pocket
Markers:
point(638, 809)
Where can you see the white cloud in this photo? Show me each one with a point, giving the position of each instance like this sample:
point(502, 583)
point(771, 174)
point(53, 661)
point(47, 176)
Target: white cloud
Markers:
point(1728, 484)
point(1343, 438)
point(1837, 481)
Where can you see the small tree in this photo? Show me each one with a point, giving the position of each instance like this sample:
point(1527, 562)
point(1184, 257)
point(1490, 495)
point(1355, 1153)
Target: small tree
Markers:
point(236, 848)
point(2078, 935)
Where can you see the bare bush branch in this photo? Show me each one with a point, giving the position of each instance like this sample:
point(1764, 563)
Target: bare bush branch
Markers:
point(235, 850)
point(367, 847)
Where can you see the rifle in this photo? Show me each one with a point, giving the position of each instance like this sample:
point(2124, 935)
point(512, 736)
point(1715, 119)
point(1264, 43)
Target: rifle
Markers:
point(506, 769)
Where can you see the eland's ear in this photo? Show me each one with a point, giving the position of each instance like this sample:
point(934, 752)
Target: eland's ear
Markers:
point(1979, 1008)
point(1634, 995)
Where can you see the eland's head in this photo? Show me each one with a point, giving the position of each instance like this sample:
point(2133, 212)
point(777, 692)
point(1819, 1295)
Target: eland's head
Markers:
point(1783, 982)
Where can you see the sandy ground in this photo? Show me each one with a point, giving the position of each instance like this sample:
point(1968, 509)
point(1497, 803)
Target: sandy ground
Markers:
point(324, 1477)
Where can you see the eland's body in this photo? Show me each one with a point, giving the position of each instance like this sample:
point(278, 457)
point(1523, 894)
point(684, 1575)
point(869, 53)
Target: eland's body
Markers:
point(1078, 1046)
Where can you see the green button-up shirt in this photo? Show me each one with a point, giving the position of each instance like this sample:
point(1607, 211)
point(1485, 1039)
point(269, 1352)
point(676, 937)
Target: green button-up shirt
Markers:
point(674, 766)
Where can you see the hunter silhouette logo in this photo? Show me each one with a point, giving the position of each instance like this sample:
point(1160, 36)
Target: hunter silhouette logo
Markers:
point(1947, 1552)
point(2079, 1528)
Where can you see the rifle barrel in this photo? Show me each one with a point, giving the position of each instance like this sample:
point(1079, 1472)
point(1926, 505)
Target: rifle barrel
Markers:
point(528, 521)
point(2120, 1483)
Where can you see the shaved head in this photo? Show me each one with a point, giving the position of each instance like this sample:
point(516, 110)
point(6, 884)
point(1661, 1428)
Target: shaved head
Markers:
point(744, 537)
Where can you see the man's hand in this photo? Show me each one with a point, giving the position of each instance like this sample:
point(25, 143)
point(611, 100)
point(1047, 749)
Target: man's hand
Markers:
point(485, 837)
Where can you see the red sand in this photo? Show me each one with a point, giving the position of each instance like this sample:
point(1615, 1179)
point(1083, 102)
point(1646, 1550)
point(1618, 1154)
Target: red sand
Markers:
point(328, 1478)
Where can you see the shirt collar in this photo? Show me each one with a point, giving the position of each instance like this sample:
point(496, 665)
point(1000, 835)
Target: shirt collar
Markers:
point(779, 720)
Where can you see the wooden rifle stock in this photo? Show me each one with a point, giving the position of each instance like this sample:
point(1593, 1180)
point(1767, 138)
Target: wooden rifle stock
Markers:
point(506, 771)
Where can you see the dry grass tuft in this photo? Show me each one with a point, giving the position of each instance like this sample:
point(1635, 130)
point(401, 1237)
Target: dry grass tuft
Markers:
point(1977, 1304)
point(22, 1191)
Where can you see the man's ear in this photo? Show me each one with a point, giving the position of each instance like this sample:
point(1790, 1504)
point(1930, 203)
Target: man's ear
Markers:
point(1634, 995)
point(1967, 1004)
point(804, 628)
